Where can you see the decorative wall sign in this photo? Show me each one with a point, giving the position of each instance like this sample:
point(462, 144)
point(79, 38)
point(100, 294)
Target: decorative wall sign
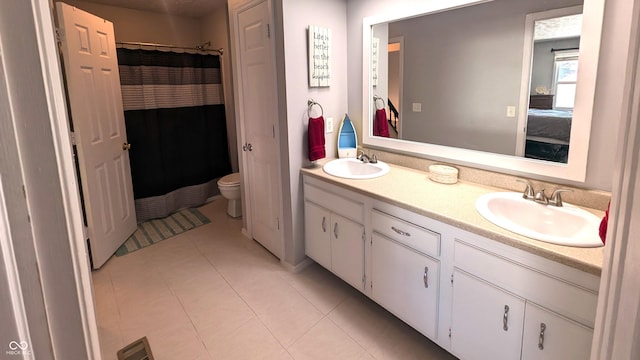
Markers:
point(319, 56)
point(375, 57)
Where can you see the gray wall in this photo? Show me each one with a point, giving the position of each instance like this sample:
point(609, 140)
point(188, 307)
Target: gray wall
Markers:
point(464, 66)
point(297, 16)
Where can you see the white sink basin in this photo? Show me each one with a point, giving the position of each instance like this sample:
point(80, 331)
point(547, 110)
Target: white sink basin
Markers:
point(566, 225)
point(350, 168)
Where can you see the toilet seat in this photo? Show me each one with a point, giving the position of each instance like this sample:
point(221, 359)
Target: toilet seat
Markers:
point(230, 180)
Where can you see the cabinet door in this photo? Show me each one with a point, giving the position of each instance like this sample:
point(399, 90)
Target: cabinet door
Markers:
point(347, 250)
point(406, 283)
point(486, 321)
point(551, 336)
point(317, 241)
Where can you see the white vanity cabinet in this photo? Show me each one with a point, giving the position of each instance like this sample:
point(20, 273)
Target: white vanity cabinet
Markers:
point(334, 234)
point(404, 279)
point(501, 309)
point(317, 233)
point(549, 336)
point(476, 297)
point(486, 320)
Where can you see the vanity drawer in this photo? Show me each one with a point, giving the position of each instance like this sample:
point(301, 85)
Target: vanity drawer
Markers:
point(548, 290)
point(409, 234)
point(336, 203)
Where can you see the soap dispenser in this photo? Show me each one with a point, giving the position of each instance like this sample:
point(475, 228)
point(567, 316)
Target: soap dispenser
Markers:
point(347, 139)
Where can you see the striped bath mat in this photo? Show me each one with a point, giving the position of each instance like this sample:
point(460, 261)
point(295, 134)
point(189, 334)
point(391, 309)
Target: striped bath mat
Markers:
point(156, 230)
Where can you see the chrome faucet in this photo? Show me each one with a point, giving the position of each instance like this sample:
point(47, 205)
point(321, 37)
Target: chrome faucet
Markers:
point(366, 159)
point(528, 193)
point(540, 197)
point(556, 199)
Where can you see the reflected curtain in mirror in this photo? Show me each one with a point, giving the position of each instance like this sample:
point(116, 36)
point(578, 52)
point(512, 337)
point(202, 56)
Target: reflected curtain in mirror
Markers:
point(175, 120)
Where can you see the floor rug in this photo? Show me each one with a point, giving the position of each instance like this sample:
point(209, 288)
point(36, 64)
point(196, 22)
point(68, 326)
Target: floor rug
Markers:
point(156, 230)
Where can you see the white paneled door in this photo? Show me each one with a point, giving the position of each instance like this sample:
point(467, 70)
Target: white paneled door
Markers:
point(258, 114)
point(93, 82)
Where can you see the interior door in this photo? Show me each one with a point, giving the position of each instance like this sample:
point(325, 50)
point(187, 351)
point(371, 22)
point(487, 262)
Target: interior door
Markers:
point(93, 83)
point(258, 113)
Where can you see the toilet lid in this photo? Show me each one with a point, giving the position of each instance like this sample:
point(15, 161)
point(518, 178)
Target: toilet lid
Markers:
point(231, 179)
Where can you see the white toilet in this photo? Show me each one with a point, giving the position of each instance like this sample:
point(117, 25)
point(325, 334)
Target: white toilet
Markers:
point(229, 186)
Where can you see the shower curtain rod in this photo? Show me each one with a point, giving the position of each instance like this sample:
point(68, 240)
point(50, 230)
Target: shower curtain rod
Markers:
point(198, 48)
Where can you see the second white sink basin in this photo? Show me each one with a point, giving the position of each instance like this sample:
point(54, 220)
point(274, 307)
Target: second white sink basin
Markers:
point(566, 225)
point(350, 168)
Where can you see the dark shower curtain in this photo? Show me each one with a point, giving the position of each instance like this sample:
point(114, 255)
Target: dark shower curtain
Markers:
point(175, 120)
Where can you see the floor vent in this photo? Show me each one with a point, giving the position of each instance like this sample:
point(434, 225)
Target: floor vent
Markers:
point(137, 350)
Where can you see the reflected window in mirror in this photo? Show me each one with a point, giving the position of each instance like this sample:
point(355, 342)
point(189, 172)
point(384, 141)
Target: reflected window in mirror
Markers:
point(565, 79)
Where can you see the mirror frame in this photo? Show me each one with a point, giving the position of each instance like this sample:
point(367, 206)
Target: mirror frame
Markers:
point(574, 170)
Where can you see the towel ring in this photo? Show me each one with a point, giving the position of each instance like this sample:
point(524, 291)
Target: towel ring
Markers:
point(310, 104)
point(375, 102)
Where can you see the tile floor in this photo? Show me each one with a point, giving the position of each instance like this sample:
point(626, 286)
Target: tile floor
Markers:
point(211, 293)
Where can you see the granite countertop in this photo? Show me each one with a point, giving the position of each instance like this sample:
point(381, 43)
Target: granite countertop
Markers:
point(454, 204)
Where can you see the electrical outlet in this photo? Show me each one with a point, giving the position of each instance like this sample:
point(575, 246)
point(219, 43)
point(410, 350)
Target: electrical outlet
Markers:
point(416, 107)
point(511, 111)
point(329, 125)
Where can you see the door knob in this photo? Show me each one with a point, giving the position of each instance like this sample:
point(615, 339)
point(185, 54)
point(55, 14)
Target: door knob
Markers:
point(247, 147)
point(126, 146)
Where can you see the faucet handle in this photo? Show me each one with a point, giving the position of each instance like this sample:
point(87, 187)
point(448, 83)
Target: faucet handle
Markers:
point(555, 198)
point(528, 191)
point(374, 159)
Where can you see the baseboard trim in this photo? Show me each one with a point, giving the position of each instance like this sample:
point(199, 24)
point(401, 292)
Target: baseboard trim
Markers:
point(298, 267)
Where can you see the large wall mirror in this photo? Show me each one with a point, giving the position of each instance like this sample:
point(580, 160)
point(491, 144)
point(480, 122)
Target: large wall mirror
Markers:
point(504, 84)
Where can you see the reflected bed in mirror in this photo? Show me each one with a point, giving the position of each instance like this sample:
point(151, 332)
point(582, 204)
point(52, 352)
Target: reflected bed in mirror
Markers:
point(478, 85)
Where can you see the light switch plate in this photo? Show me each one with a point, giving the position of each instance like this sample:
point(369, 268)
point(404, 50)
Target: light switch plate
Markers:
point(511, 111)
point(416, 107)
point(329, 125)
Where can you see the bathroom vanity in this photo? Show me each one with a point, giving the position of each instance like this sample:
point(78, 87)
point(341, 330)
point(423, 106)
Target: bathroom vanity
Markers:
point(420, 250)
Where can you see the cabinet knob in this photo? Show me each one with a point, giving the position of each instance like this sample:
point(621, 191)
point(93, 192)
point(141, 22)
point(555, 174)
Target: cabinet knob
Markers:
point(505, 318)
point(324, 224)
point(543, 327)
point(335, 230)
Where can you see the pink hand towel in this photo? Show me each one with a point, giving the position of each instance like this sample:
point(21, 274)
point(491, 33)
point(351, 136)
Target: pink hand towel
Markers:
point(380, 126)
point(316, 138)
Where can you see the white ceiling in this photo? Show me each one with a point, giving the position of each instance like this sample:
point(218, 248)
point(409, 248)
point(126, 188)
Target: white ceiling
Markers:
point(191, 8)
